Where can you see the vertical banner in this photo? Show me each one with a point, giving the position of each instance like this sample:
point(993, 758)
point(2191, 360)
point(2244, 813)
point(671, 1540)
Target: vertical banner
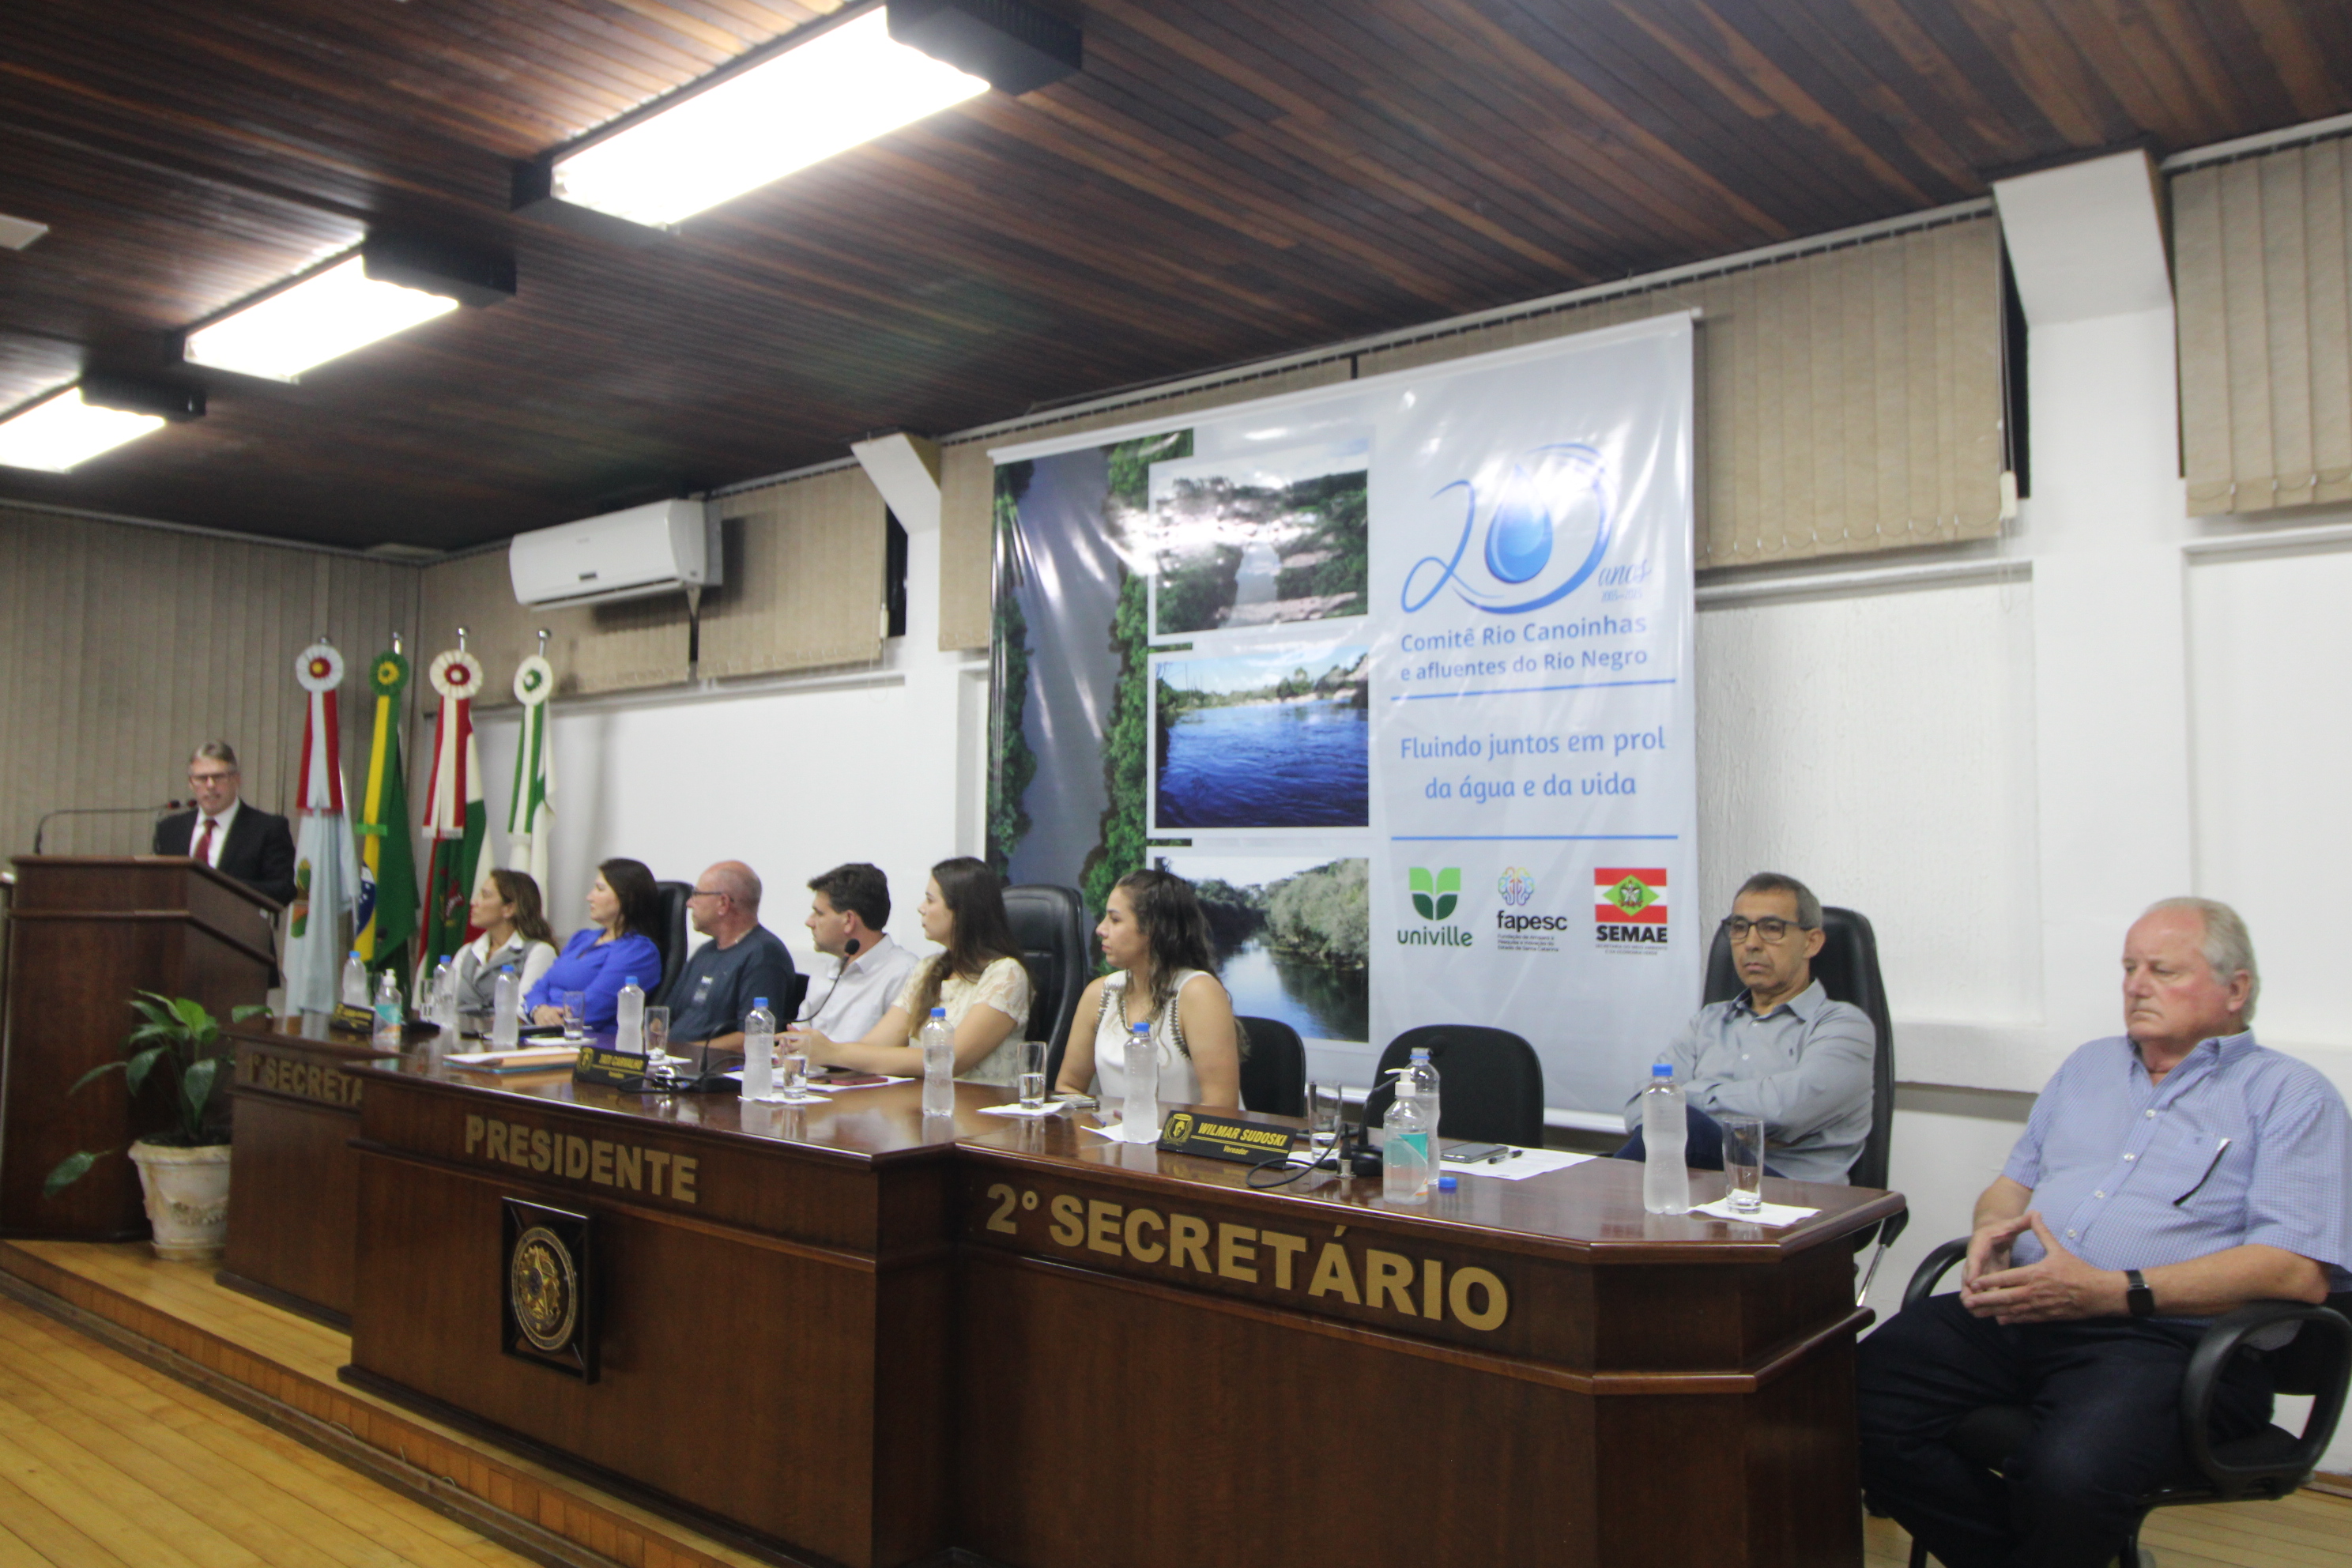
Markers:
point(454, 819)
point(386, 917)
point(530, 814)
point(1398, 673)
point(1536, 799)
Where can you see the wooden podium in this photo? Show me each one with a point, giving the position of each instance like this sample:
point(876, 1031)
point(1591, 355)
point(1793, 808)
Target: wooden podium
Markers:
point(86, 933)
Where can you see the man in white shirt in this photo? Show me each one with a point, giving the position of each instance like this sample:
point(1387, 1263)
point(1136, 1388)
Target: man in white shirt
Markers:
point(863, 970)
point(232, 837)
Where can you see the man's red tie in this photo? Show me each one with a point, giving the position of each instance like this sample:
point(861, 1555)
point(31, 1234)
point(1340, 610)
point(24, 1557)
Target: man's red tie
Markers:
point(204, 843)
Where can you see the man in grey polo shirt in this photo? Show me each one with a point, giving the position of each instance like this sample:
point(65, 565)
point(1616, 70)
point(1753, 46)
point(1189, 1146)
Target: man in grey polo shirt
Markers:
point(1781, 1050)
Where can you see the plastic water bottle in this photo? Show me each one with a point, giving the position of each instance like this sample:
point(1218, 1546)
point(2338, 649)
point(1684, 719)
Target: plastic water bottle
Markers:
point(1139, 1117)
point(1665, 1178)
point(1406, 1153)
point(355, 986)
point(443, 1015)
point(629, 1024)
point(937, 1043)
point(1425, 1091)
point(506, 1010)
point(759, 1047)
point(388, 1018)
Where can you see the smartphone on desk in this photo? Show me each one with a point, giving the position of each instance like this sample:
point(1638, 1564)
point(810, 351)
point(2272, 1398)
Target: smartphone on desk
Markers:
point(1478, 1153)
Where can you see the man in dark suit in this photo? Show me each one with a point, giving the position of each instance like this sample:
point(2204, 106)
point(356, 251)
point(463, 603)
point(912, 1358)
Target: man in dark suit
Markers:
point(234, 838)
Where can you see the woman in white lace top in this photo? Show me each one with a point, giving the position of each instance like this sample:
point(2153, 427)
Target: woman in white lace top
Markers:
point(979, 981)
point(1154, 930)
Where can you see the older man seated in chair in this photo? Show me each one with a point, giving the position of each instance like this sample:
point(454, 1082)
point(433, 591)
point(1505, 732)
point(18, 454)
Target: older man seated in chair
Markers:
point(2167, 1175)
point(1781, 1050)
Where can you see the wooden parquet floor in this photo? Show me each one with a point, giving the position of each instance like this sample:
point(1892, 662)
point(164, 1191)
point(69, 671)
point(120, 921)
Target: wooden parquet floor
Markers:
point(2309, 1529)
point(105, 1461)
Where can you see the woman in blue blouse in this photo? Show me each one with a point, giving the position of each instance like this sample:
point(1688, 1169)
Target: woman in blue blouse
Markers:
point(599, 959)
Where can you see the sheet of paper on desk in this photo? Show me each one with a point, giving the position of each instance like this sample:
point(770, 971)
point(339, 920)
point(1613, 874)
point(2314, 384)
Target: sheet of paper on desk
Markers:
point(1768, 1214)
point(515, 1061)
point(1051, 1108)
point(1523, 1163)
point(821, 1085)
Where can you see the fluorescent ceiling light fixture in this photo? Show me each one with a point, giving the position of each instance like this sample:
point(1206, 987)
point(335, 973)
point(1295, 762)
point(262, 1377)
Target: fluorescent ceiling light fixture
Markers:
point(61, 430)
point(324, 316)
point(15, 233)
point(848, 85)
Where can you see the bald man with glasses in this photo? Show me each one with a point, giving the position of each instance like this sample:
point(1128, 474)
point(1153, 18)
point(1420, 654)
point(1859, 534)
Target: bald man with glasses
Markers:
point(1781, 1050)
point(743, 962)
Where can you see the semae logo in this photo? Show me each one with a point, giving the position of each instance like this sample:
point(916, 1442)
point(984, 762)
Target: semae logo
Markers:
point(1433, 896)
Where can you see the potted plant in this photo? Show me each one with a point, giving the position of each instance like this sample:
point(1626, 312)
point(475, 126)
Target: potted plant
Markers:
point(182, 1170)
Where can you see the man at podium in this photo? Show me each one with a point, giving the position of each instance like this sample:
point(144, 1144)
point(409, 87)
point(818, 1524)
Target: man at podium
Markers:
point(232, 837)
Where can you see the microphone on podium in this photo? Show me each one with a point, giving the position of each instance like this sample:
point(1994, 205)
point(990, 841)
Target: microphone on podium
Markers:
point(41, 828)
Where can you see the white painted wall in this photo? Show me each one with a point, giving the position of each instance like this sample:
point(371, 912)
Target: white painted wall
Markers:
point(791, 776)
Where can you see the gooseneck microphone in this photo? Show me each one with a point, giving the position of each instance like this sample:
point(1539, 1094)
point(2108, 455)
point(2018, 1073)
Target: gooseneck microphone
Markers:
point(848, 950)
point(41, 828)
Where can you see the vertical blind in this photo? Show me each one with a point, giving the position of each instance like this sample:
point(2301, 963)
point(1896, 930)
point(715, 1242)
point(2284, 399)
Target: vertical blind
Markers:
point(1848, 400)
point(126, 647)
point(2262, 287)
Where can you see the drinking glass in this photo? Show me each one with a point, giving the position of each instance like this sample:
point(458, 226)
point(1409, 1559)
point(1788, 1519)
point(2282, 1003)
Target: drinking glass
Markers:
point(1326, 1106)
point(1743, 1160)
point(1033, 1074)
point(575, 1018)
point(659, 1062)
point(792, 1081)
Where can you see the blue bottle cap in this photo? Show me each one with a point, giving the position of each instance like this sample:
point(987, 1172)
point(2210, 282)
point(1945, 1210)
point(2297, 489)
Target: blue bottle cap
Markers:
point(631, 980)
point(1662, 1069)
point(938, 1012)
point(1142, 1028)
point(1421, 1053)
point(1448, 1182)
point(759, 1001)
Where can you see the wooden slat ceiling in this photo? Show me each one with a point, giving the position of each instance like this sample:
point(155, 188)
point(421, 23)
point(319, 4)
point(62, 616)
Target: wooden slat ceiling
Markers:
point(1227, 179)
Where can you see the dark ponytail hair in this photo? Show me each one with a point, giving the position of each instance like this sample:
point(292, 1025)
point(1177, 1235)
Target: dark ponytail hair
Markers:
point(974, 896)
point(1176, 934)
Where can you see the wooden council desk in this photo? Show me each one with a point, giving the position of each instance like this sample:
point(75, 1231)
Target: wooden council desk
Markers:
point(857, 1339)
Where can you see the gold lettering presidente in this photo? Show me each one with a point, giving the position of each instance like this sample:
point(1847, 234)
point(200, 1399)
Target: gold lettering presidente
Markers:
point(1366, 1276)
point(626, 1167)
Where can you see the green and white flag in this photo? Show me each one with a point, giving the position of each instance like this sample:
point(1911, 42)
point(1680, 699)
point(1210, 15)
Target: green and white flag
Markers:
point(531, 819)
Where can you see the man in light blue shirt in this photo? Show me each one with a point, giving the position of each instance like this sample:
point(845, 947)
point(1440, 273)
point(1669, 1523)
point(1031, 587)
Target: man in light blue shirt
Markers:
point(2166, 1177)
point(1781, 1050)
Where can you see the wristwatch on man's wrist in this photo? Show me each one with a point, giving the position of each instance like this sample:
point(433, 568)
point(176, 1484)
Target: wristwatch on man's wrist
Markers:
point(2137, 1294)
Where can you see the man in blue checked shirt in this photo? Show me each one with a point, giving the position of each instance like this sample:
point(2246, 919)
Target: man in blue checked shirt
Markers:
point(2166, 1177)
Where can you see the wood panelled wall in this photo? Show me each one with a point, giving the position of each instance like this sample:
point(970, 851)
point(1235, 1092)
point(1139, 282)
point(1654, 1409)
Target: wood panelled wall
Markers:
point(126, 646)
point(2262, 280)
point(1848, 400)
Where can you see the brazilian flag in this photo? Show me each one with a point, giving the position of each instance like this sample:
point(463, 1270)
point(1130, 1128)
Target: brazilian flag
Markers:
point(386, 917)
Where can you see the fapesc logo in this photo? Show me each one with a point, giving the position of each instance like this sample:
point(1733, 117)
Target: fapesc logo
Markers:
point(1541, 530)
point(1517, 884)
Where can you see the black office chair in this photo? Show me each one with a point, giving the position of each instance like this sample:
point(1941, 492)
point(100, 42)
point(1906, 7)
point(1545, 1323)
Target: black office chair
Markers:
point(1847, 967)
point(1274, 1073)
point(669, 936)
point(2270, 1463)
point(1490, 1085)
point(1049, 923)
point(796, 989)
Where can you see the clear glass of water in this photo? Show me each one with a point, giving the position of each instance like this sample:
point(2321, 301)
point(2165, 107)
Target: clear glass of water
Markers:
point(575, 1018)
point(1743, 1162)
point(1033, 1074)
point(792, 1082)
point(657, 1057)
point(1325, 1107)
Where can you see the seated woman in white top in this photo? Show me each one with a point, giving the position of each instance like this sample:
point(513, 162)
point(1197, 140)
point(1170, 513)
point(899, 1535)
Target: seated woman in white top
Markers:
point(979, 981)
point(1154, 930)
point(514, 932)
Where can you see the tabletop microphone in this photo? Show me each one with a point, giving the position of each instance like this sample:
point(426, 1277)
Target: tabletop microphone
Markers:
point(848, 950)
point(41, 828)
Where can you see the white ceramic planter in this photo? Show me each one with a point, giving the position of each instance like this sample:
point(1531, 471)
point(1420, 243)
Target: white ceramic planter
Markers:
point(187, 1199)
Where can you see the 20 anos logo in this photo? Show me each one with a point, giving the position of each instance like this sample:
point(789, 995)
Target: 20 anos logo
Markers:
point(1541, 530)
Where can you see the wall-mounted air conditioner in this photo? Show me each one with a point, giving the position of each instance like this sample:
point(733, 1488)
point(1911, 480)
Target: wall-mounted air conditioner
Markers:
point(662, 548)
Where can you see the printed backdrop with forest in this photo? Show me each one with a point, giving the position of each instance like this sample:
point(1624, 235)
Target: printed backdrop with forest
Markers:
point(1101, 554)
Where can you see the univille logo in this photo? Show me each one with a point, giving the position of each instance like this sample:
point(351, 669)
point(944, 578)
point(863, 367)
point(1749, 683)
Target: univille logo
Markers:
point(1629, 907)
point(1435, 896)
